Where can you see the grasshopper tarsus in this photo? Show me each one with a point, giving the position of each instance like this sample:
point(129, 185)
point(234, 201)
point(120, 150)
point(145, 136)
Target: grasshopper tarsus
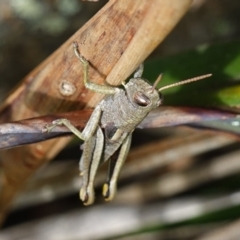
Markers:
point(109, 191)
point(105, 191)
point(79, 55)
point(86, 196)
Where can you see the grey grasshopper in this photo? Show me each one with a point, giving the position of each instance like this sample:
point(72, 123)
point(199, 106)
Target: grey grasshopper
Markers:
point(108, 133)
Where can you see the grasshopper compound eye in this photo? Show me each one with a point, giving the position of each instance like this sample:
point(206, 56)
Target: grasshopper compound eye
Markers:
point(141, 99)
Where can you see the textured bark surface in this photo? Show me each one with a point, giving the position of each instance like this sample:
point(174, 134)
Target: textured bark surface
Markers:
point(115, 41)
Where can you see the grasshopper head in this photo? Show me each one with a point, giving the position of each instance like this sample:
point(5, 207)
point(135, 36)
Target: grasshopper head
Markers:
point(142, 94)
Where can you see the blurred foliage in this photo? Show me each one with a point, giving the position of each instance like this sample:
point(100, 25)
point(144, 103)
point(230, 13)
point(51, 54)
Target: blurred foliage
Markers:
point(220, 90)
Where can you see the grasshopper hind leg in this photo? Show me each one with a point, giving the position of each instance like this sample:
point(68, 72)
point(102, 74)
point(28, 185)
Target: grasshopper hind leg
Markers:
point(115, 166)
point(89, 164)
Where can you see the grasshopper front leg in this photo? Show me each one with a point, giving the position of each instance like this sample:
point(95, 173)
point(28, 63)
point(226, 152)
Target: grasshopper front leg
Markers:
point(90, 128)
point(104, 89)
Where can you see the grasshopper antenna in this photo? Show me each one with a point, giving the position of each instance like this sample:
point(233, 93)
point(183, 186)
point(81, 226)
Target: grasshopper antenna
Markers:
point(156, 82)
point(182, 82)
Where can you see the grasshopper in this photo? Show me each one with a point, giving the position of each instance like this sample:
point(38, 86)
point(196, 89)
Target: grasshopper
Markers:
point(108, 133)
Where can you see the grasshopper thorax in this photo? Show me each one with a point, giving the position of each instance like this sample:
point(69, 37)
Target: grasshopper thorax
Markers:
point(142, 94)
